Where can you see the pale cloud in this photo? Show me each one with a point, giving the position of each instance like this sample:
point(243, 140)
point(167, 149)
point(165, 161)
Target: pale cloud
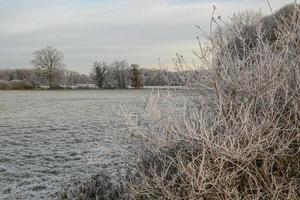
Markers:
point(139, 31)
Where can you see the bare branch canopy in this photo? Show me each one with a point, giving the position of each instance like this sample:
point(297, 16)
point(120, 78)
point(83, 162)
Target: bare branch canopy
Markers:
point(49, 61)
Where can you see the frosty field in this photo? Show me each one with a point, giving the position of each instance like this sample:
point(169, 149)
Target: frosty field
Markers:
point(49, 138)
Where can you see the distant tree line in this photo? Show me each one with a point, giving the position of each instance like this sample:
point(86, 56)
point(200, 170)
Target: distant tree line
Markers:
point(120, 75)
point(32, 78)
point(49, 70)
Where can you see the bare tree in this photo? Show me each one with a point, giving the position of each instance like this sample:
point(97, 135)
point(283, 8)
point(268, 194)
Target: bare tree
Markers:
point(121, 73)
point(99, 73)
point(72, 77)
point(50, 62)
point(84, 79)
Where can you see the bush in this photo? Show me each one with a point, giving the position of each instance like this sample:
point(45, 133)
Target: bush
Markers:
point(5, 85)
point(15, 85)
point(21, 85)
point(240, 139)
point(247, 28)
point(101, 186)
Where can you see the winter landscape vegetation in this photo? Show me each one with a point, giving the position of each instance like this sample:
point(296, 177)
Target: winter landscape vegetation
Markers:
point(224, 125)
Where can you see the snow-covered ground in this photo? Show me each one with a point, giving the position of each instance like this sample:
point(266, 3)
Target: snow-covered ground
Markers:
point(49, 138)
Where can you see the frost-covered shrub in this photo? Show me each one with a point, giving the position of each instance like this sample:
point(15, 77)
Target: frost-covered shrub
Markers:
point(100, 187)
point(15, 85)
point(5, 85)
point(247, 29)
point(240, 137)
point(282, 20)
point(21, 85)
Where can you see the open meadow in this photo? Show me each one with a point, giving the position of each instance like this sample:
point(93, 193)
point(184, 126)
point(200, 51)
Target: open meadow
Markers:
point(49, 138)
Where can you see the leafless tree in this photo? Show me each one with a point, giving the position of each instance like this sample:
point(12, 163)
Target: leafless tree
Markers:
point(120, 70)
point(49, 62)
point(71, 77)
point(99, 73)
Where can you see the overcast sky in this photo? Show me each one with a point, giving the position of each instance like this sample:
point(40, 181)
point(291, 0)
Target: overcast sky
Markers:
point(139, 31)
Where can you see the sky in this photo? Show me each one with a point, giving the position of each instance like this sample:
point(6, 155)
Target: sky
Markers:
point(138, 31)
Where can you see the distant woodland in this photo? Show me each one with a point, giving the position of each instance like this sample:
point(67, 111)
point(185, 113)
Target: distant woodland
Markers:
point(49, 72)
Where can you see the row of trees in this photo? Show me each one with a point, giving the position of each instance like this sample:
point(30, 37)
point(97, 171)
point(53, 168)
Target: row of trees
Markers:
point(35, 78)
point(117, 75)
point(49, 69)
point(120, 75)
